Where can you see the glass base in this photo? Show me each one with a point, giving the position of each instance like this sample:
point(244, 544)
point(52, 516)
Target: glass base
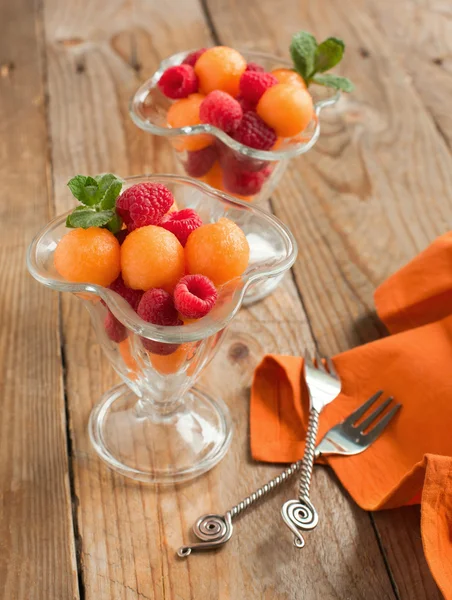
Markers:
point(147, 446)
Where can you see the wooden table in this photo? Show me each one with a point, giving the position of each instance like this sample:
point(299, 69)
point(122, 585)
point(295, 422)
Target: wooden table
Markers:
point(376, 189)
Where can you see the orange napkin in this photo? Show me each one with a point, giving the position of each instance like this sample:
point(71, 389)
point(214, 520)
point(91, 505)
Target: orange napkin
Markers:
point(412, 459)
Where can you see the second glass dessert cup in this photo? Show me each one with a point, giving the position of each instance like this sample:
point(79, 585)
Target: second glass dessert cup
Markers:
point(156, 427)
point(211, 155)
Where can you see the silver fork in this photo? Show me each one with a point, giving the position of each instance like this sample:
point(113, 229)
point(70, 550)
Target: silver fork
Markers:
point(324, 386)
point(345, 438)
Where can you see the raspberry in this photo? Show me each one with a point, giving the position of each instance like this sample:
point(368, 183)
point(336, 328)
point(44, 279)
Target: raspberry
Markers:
point(199, 162)
point(182, 223)
point(246, 106)
point(253, 132)
point(221, 110)
point(245, 183)
point(157, 306)
point(121, 235)
point(191, 58)
point(133, 297)
point(178, 82)
point(195, 296)
point(254, 84)
point(144, 204)
point(116, 331)
point(230, 160)
point(254, 67)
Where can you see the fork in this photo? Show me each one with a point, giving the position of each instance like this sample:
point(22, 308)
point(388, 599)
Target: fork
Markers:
point(324, 386)
point(346, 439)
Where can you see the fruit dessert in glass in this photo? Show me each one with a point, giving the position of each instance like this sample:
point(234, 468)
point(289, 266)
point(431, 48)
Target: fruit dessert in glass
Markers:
point(235, 118)
point(162, 264)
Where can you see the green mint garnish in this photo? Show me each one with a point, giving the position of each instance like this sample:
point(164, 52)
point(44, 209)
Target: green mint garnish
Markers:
point(302, 51)
point(334, 81)
point(84, 189)
point(329, 53)
point(311, 60)
point(98, 197)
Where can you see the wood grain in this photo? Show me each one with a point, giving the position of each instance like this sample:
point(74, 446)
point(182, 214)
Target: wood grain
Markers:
point(128, 533)
point(374, 191)
point(420, 34)
point(37, 553)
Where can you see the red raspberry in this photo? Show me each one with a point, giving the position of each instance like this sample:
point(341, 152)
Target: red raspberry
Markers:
point(121, 235)
point(221, 110)
point(245, 183)
point(254, 67)
point(116, 331)
point(230, 160)
point(246, 106)
point(192, 58)
point(178, 82)
point(199, 162)
point(157, 306)
point(182, 223)
point(254, 84)
point(144, 204)
point(195, 296)
point(253, 132)
point(133, 297)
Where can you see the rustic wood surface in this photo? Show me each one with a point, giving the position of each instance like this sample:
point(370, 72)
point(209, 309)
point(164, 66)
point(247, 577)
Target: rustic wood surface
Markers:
point(375, 190)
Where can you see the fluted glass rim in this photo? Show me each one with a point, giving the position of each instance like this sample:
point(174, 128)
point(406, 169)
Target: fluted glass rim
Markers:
point(268, 155)
point(122, 310)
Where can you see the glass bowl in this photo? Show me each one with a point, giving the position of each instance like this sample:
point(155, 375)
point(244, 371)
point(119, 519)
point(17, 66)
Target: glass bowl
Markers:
point(157, 427)
point(211, 155)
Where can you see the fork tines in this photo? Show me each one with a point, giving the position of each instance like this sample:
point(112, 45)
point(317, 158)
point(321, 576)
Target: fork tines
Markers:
point(353, 420)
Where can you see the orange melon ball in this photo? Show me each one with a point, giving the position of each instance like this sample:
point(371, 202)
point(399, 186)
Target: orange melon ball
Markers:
point(287, 108)
point(130, 362)
point(214, 177)
point(289, 76)
point(220, 68)
point(152, 257)
point(185, 112)
point(89, 255)
point(219, 251)
point(171, 363)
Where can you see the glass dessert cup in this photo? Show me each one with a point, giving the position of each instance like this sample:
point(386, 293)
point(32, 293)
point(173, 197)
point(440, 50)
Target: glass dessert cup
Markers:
point(209, 154)
point(156, 427)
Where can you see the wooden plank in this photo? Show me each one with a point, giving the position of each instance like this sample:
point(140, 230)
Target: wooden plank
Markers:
point(37, 552)
point(420, 34)
point(400, 535)
point(374, 191)
point(129, 532)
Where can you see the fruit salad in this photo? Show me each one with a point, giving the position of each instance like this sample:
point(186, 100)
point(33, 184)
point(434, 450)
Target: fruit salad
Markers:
point(166, 263)
point(261, 110)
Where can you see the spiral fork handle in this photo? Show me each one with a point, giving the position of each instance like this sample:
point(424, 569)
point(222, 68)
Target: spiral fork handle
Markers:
point(300, 515)
point(309, 455)
point(212, 530)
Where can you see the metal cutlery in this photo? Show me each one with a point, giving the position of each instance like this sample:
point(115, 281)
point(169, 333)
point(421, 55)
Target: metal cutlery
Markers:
point(346, 438)
point(324, 386)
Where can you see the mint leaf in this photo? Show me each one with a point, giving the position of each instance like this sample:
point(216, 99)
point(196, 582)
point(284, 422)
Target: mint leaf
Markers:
point(84, 189)
point(334, 81)
point(115, 224)
point(88, 217)
point(68, 218)
point(303, 52)
point(108, 190)
point(329, 54)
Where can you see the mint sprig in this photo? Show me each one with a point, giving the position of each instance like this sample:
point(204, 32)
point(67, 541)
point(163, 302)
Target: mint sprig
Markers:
point(98, 197)
point(311, 60)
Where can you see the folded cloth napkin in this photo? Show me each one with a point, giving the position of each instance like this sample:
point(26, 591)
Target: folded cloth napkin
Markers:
point(411, 462)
